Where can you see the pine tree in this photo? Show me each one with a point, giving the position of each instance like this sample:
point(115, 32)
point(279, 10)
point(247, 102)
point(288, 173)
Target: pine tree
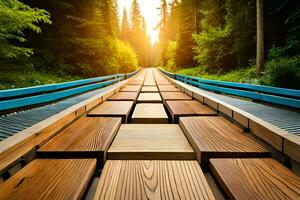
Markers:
point(15, 18)
point(187, 26)
point(125, 29)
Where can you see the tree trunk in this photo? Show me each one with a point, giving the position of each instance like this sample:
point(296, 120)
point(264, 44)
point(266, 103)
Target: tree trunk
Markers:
point(260, 51)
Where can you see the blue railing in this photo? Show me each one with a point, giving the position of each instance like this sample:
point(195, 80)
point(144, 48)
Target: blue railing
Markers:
point(280, 96)
point(22, 97)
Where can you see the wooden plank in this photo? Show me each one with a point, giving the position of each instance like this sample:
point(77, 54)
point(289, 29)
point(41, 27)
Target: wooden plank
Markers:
point(149, 89)
point(150, 141)
point(131, 88)
point(291, 147)
point(168, 88)
point(86, 138)
point(149, 98)
point(241, 119)
point(135, 82)
point(267, 135)
point(113, 109)
point(174, 96)
point(124, 96)
point(50, 179)
point(255, 179)
point(216, 137)
point(223, 109)
point(152, 179)
point(150, 113)
point(187, 108)
point(211, 103)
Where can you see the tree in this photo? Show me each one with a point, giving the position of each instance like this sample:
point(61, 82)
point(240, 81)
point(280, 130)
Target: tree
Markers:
point(187, 26)
point(260, 58)
point(15, 18)
point(125, 29)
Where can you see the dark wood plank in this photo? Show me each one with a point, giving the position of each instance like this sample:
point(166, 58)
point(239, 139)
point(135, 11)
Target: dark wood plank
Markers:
point(150, 141)
point(174, 96)
point(149, 98)
point(149, 113)
point(187, 108)
point(124, 96)
point(167, 88)
point(86, 138)
point(149, 89)
point(50, 179)
point(155, 179)
point(131, 88)
point(216, 137)
point(113, 109)
point(256, 179)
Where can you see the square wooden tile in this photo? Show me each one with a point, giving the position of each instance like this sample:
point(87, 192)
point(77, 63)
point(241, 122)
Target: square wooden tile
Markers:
point(150, 141)
point(149, 113)
point(149, 98)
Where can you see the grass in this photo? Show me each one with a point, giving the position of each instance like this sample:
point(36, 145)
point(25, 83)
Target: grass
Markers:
point(246, 75)
point(18, 79)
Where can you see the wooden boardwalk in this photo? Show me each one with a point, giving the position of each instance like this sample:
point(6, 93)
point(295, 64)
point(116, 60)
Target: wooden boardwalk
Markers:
point(150, 139)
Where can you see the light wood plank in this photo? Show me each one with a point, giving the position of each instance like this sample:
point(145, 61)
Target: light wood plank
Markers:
point(155, 179)
point(149, 98)
point(149, 89)
point(256, 179)
point(131, 88)
point(187, 108)
point(167, 88)
point(124, 96)
point(86, 138)
point(174, 96)
point(112, 109)
point(136, 82)
point(150, 141)
point(216, 137)
point(50, 179)
point(149, 113)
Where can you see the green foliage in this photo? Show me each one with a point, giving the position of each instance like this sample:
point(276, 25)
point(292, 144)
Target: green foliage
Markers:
point(170, 56)
point(15, 18)
point(126, 58)
point(283, 72)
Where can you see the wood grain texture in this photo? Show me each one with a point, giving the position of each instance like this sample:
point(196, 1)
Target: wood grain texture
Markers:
point(124, 96)
point(149, 98)
point(150, 141)
point(174, 96)
point(145, 179)
point(187, 108)
point(87, 137)
point(136, 82)
point(112, 109)
point(256, 179)
point(216, 137)
point(291, 146)
point(149, 89)
point(149, 113)
point(50, 179)
point(131, 88)
point(168, 88)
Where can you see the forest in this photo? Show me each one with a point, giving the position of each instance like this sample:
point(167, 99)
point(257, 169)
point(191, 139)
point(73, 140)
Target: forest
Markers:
point(249, 41)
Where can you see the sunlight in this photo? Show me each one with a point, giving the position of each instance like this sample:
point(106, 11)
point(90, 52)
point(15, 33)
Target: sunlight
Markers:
point(149, 9)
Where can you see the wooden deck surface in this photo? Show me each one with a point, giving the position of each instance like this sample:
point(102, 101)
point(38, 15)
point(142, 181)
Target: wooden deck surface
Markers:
point(87, 137)
point(216, 137)
point(124, 96)
point(256, 179)
point(148, 113)
point(187, 108)
point(168, 88)
point(149, 89)
point(150, 141)
point(149, 98)
point(131, 88)
point(50, 179)
point(174, 96)
point(112, 109)
point(155, 179)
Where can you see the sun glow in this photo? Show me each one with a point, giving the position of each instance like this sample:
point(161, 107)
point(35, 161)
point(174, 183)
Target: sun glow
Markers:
point(150, 11)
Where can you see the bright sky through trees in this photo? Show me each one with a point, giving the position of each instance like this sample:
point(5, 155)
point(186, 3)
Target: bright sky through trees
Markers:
point(150, 11)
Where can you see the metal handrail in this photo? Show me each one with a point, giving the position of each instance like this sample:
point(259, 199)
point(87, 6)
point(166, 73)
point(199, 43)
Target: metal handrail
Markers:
point(275, 95)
